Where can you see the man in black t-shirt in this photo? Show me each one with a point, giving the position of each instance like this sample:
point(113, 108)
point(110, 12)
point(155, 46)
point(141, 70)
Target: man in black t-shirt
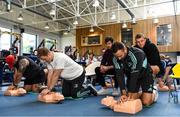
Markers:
point(106, 67)
point(25, 67)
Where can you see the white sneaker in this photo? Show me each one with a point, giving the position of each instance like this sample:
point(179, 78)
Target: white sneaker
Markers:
point(155, 91)
point(103, 91)
point(93, 89)
point(115, 92)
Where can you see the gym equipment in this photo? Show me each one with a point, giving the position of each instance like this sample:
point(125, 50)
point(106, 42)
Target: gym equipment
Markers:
point(6, 74)
point(53, 46)
point(13, 49)
point(175, 76)
point(5, 71)
point(33, 54)
point(42, 44)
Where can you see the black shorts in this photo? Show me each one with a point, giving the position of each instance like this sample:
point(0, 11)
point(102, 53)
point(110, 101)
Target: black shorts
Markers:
point(145, 81)
point(70, 88)
point(35, 78)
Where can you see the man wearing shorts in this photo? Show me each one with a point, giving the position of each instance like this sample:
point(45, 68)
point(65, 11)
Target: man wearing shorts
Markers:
point(25, 67)
point(132, 62)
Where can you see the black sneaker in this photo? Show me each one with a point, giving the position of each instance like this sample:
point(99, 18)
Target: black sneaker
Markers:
point(92, 89)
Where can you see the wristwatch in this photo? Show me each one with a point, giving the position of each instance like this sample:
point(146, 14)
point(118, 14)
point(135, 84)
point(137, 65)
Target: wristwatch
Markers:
point(50, 89)
point(16, 85)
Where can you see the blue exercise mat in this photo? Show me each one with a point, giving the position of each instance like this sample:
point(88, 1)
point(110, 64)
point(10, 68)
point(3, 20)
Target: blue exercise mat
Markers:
point(28, 105)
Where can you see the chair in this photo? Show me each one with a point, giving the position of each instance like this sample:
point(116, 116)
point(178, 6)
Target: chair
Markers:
point(90, 70)
point(175, 76)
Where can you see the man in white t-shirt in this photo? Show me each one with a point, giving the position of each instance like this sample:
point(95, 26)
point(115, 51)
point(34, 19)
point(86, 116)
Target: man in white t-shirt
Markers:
point(73, 74)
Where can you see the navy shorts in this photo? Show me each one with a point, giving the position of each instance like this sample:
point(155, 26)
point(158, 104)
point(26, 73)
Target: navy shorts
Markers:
point(145, 81)
point(36, 78)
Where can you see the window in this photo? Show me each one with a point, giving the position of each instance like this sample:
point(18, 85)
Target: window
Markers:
point(29, 43)
point(5, 39)
point(127, 36)
point(154, 10)
point(49, 43)
point(91, 40)
point(164, 34)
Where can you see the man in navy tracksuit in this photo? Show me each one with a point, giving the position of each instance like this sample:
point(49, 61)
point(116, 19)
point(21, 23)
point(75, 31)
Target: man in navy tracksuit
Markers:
point(132, 62)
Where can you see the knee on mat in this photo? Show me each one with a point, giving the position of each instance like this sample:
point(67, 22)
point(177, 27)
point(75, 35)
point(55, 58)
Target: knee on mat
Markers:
point(28, 88)
point(35, 89)
point(146, 102)
point(66, 94)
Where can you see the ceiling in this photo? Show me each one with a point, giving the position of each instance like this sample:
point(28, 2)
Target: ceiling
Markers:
point(36, 13)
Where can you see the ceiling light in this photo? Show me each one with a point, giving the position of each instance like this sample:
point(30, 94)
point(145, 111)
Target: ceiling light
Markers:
point(52, 12)
point(133, 20)
point(46, 26)
point(124, 25)
point(113, 16)
point(69, 29)
point(8, 5)
point(169, 26)
point(20, 17)
point(51, 0)
point(65, 33)
point(128, 29)
point(91, 29)
point(96, 3)
point(75, 21)
point(118, 21)
point(155, 20)
point(169, 30)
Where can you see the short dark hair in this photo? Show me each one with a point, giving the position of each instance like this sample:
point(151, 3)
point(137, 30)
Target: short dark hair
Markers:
point(42, 52)
point(107, 39)
point(117, 46)
point(140, 35)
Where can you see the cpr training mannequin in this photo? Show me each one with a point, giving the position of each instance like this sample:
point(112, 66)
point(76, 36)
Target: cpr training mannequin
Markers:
point(51, 97)
point(13, 91)
point(162, 87)
point(130, 106)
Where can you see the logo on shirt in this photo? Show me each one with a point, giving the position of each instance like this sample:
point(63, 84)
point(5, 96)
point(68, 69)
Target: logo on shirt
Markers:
point(150, 88)
point(75, 85)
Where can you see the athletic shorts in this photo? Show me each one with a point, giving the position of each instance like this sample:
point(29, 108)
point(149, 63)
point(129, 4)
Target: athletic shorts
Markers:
point(35, 78)
point(145, 81)
point(71, 87)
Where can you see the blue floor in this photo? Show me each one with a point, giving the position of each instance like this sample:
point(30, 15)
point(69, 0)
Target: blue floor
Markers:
point(29, 106)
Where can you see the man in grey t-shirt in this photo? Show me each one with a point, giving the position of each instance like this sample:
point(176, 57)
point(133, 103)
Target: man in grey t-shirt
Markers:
point(60, 65)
